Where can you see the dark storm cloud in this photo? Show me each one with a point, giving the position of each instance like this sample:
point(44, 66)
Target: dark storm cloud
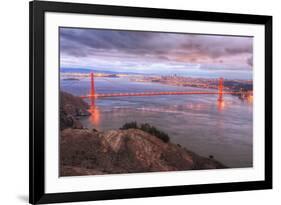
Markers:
point(250, 61)
point(241, 49)
point(217, 46)
point(105, 39)
point(138, 48)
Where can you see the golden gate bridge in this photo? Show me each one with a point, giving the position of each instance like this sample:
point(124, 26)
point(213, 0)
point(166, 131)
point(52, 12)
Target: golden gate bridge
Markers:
point(93, 95)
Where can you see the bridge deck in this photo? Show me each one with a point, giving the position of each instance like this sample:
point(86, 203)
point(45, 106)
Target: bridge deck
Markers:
point(102, 95)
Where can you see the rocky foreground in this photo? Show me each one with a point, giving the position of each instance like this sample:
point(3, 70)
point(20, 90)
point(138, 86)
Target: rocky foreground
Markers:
point(87, 152)
point(91, 152)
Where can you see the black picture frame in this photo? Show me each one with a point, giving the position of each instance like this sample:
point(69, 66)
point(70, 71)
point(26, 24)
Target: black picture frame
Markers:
point(37, 194)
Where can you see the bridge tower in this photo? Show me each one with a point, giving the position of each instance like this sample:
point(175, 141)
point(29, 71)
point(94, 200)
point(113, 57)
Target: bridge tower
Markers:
point(92, 91)
point(220, 90)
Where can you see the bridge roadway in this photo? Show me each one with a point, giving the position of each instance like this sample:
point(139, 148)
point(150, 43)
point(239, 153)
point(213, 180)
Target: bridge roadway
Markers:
point(103, 95)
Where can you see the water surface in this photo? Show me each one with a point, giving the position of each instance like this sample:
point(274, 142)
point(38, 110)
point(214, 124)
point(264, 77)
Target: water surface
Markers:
point(197, 122)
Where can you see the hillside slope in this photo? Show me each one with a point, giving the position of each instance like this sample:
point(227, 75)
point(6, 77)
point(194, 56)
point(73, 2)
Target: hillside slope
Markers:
point(87, 152)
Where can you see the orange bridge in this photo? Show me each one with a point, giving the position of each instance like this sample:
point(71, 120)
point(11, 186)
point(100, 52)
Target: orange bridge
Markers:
point(93, 95)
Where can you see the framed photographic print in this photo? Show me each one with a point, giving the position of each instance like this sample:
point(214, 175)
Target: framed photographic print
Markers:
point(140, 102)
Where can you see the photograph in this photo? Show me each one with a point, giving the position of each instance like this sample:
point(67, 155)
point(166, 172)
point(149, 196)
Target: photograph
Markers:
point(133, 101)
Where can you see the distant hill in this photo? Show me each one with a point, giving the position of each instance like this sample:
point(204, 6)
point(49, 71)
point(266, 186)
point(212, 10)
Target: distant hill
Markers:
point(85, 70)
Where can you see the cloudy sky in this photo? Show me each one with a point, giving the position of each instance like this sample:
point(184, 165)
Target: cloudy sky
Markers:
point(154, 52)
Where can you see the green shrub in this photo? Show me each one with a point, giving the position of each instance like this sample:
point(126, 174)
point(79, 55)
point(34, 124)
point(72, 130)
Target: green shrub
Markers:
point(147, 128)
point(129, 125)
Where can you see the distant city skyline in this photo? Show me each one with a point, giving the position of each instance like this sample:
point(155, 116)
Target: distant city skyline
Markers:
point(157, 53)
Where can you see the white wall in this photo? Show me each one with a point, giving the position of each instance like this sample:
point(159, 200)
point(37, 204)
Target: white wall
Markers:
point(14, 100)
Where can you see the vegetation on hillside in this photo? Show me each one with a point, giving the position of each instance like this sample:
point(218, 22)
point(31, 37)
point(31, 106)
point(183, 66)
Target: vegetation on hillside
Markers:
point(147, 128)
